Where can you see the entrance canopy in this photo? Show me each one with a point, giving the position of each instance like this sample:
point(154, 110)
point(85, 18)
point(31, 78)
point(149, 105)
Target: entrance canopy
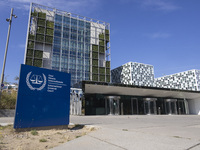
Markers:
point(90, 87)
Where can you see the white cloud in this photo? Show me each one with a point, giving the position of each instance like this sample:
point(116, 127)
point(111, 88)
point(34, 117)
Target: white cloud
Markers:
point(77, 6)
point(159, 5)
point(158, 35)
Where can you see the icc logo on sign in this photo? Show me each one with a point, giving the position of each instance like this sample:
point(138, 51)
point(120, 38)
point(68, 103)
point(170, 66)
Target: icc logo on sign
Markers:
point(36, 82)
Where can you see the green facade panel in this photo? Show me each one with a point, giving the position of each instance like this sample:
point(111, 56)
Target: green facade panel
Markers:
point(41, 15)
point(107, 64)
point(95, 48)
point(37, 62)
point(49, 39)
point(94, 77)
point(29, 53)
point(38, 54)
point(94, 55)
point(41, 22)
point(107, 78)
point(95, 70)
point(29, 61)
point(49, 24)
point(102, 78)
point(94, 62)
point(40, 38)
point(49, 32)
point(102, 70)
point(30, 44)
point(101, 49)
point(31, 37)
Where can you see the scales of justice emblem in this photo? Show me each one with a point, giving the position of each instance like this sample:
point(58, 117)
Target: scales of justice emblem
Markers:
point(36, 82)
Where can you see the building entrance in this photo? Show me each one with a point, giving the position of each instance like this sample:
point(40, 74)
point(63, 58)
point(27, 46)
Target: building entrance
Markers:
point(150, 106)
point(170, 106)
point(182, 107)
point(134, 106)
point(112, 105)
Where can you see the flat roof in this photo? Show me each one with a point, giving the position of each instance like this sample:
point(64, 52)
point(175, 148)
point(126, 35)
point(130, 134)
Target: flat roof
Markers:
point(91, 87)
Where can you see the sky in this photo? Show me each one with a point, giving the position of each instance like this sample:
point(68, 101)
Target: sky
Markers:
point(162, 33)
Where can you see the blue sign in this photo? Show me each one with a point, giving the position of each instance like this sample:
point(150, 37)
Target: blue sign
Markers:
point(43, 98)
point(2, 85)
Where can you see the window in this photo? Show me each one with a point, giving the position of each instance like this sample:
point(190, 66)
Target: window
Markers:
point(58, 18)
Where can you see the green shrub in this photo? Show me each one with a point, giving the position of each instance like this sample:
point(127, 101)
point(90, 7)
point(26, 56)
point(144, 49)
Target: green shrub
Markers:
point(41, 22)
point(49, 32)
point(40, 38)
point(38, 54)
point(43, 140)
point(29, 53)
point(94, 62)
point(101, 49)
point(40, 30)
point(30, 44)
point(8, 100)
point(94, 77)
point(34, 132)
point(95, 70)
point(95, 48)
point(37, 62)
point(102, 70)
point(48, 39)
point(50, 24)
point(107, 64)
point(29, 61)
point(94, 55)
point(31, 37)
point(41, 15)
point(102, 78)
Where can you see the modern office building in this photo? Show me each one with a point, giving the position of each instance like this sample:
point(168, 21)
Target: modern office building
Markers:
point(78, 45)
point(121, 99)
point(67, 42)
point(133, 73)
point(187, 80)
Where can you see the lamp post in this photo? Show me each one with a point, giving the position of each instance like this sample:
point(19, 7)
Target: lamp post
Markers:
point(6, 49)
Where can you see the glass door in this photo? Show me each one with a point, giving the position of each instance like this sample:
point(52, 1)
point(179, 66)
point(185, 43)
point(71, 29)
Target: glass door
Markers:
point(112, 105)
point(170, 106)
point(150, 106)
point(181, 107)
point(134, 106)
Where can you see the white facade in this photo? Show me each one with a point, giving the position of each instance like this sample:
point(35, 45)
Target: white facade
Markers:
point(187, 80)
point(194, 106)
point(134, 73)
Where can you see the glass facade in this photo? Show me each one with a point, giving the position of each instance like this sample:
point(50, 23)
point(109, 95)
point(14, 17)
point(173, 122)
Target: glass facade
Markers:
point(69, 43)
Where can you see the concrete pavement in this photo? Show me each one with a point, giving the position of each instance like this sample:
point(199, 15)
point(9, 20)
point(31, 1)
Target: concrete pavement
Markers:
point(138, 132)
point(135, 132)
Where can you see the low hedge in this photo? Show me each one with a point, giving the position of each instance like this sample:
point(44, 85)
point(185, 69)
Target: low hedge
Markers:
point(8, 100)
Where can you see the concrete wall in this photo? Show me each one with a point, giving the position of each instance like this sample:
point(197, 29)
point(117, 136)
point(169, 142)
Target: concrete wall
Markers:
point(194, 106)
point(7, 112)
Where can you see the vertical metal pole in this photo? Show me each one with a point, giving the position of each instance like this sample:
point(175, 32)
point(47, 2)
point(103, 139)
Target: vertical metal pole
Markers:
point(4, 62)
point(131, 106)
point(122, 109)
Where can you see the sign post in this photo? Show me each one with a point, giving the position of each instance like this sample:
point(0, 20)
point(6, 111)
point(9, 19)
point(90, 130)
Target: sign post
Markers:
point(43, 98)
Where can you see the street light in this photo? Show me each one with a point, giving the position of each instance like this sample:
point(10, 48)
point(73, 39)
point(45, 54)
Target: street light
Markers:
point(6, 49)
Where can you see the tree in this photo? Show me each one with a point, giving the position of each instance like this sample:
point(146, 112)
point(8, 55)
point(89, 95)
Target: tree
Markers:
point(17, 80)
